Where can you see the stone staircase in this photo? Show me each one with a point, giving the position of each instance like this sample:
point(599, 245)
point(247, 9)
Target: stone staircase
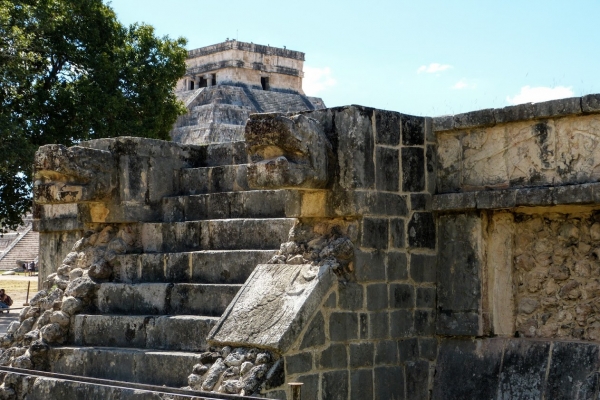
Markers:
point(281, 102)
point(218, 114)
point(152, 320)
point(26, 249)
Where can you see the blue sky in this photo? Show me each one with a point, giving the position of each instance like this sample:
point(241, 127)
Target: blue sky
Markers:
point(418, 57)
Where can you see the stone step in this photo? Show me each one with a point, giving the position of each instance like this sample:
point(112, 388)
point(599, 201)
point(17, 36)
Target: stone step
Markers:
point(165, 332)
point(229, 153)
point(169, 368)
point(216, 234)
point(223, 178)
point(165, 298)
point(69, 387)
point(251, 204)
point(212, 266)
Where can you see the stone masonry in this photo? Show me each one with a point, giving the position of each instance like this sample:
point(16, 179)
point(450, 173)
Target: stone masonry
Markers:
point(365, 253)
point(226, 82)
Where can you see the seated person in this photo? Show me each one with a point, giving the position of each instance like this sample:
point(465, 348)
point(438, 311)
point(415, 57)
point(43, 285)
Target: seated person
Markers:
point(5, 300)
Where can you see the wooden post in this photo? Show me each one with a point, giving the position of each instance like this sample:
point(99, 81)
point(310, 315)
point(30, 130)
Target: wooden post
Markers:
point(27, 298)
point(296, 390)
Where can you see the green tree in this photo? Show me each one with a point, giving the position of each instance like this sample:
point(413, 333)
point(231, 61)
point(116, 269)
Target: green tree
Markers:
point(69, 71)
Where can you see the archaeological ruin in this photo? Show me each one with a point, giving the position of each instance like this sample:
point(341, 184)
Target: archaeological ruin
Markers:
point(364, 253)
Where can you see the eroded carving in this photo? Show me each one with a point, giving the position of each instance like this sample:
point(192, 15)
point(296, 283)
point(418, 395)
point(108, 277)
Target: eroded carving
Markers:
point(287, 152)
point(73, 174)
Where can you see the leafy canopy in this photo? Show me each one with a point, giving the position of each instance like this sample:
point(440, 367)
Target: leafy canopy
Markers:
point(69, 71)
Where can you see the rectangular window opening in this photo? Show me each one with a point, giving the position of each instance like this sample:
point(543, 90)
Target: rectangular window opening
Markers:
point(264, 82)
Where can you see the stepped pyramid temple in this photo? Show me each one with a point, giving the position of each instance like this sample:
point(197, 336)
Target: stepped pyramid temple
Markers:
point(19, 246)
point(364, 253)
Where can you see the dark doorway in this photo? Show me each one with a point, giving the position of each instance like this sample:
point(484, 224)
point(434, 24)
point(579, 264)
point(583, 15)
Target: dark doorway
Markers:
point(214, 79)
point(264, 82)
point(203, 82)
point(191, 85)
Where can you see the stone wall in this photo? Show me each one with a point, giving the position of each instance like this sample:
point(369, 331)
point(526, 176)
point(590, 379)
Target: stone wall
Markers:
point(517, 218)
point(474, 266)
point(372, 335)
point(556, 272)
point(553, 143)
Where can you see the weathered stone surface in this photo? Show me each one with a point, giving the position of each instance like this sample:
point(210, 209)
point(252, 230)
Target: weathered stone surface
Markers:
point(515, 368)
point(521, 154)
point(387, 127)
point(417, 380)
point(389, 383)
point(402, 324)
point(571, 364)
point(422, 268)
point(590, 103)
point(315, 333)
point(422, 230)
point(355, 148)
point(476, 365)
point(387, 172)
point(413, 169)
point(299, 363)
point(334, 385)
point(375, 233)
point(555, 270)
point(524, 368)
point(273, 306)
point(83, 288)
point(88, 174)
point(396, 266)
point(443, 123)
point(413, 130)
point(71, 305)
point(455, 201)
point(499, 271)
point(459, 275)
point(287, 152)
point(343, 326)
point(53, 333)
point(350, 296)
point(361, 383)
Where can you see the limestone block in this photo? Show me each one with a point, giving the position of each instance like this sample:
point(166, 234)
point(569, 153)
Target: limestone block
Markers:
point(531, 153)
point(122, 298)
point(449, 161)
point(183, 332)
point(484, 163)
point(479, 118)
point(590, 103)
point(74, 174)
point(578, 149)
point(354, 130)
point(273, 306)
point(460, 275)
point(287, 152)
point(499, 270)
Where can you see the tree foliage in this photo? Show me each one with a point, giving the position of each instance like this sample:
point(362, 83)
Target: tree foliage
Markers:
point(69, 71)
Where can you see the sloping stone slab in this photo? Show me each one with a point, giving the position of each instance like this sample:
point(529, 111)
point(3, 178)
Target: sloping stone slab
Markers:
point(273, 306)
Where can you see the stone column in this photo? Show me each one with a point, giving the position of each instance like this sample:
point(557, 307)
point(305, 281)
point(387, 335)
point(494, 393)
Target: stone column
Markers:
point(208, 78)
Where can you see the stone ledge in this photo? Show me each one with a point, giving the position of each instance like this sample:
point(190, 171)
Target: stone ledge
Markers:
point(589, 104)
point(587, 193)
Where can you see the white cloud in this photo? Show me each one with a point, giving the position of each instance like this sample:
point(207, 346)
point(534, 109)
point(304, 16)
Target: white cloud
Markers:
point(530, 94)
point(433, 68)
point(461, 84)
point(316, 80)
